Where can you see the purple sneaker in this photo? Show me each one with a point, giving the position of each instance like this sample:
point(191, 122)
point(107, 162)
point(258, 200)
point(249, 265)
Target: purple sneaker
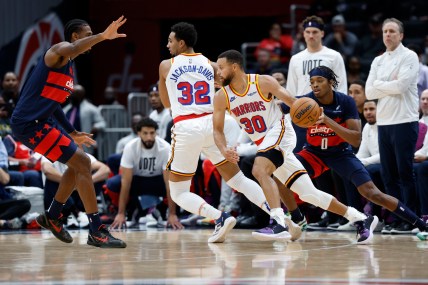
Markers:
point(365, 229)
point(273, 232)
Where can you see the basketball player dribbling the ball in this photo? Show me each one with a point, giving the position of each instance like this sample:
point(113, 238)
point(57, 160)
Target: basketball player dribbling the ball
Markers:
point(250, 100)
point(329, 144)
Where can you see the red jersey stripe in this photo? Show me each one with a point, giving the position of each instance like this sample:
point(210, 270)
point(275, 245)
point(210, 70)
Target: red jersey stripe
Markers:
point(60, 79)
point(55, 94)
point(48, 141)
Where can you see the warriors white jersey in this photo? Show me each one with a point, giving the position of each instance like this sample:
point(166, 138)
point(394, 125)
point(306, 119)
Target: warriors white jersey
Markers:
point(298, 82)
point(252, 110)
point(190, 84)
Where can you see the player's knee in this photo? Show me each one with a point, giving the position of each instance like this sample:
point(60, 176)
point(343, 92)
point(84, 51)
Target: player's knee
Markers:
point(259, 172)
point(369, 191)
point(82, 162)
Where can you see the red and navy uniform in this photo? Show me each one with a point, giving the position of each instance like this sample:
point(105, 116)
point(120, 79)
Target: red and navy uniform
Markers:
point(324, 149)
point(34, 120)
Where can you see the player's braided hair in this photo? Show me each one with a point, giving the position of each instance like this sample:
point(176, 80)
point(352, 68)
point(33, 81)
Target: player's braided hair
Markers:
point(73, 26)
point(326, 72)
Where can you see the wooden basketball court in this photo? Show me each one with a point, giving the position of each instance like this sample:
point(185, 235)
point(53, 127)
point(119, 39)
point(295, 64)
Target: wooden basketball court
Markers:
point(156, 256)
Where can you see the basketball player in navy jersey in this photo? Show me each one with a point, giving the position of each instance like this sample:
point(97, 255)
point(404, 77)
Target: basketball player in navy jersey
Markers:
point(329, 144)
point(34, 123)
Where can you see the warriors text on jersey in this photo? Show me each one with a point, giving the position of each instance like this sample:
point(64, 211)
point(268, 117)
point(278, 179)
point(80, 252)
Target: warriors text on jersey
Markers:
point(190, 85)
point(252, 110)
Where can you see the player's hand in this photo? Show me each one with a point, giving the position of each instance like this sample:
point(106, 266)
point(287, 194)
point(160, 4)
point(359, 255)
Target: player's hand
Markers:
point(231, 155)
point(321, 118)
point(119, 222)
point(83, 139)
point(174, 222)
point(111, 32)
point(420, 158)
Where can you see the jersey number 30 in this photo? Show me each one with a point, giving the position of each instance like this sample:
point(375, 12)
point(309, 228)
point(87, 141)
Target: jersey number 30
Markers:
point(257, 123)
point(197, 93)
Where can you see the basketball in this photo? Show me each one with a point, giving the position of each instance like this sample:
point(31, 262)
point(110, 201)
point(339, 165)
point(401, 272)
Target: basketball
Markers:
point(305, 112)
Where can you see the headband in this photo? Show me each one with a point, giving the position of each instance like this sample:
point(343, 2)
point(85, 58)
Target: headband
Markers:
point(320, 72)
point(313, 24)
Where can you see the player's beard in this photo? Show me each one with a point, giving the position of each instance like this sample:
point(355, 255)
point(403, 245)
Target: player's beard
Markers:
point(226, 81)
point(148, 144)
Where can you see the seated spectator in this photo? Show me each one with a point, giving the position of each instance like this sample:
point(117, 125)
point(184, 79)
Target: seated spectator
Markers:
point(143, 176)
point(371, 44)
point(423, 69)
point(83, 115)
point(10, 85)
point(357, 91)
point(110, 96)
point(74, 209)
point(280, 74)
point(113, 161)
point(264, 64)
point(160, 114)
point(25, 163)
point(278, 45)
point(11, 210)
point(5, 112)
point(340, 39)
point(353, 70)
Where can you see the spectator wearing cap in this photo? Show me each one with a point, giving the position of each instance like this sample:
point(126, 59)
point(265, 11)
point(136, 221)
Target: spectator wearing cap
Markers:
point(160, 114)
point(340, 39)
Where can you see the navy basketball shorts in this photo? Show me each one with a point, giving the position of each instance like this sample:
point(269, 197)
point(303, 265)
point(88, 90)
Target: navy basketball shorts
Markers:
point(44, 137)
point(346, 164)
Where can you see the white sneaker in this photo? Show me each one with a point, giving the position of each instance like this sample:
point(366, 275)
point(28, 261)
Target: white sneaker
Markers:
point(147, 219)
point(348, 227)
point(72, 223)
point(83, 220)
point(294, 229)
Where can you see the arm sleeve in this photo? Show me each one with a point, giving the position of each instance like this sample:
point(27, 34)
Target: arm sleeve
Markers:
point(62, 120)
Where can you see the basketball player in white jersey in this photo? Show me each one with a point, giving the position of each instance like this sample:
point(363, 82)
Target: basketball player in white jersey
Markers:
point(250, 100)
point(186, 86)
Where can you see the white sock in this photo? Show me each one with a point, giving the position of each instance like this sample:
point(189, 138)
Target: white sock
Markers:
point(353, 215)
point(250, 189)
point(278, 215)
point(180, 194)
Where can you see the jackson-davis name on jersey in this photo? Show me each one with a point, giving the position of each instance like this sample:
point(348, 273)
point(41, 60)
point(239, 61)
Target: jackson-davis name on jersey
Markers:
point(191, 68)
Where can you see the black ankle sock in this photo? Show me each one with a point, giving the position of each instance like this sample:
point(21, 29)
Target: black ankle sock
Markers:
point(54, 211)
point(408, 215)
point(94, 222)
point(296, 215)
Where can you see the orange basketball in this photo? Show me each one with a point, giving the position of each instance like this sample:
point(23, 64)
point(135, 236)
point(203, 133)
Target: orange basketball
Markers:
point(305, 112)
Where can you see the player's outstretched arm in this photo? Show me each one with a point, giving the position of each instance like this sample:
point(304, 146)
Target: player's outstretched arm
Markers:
point(59, 54)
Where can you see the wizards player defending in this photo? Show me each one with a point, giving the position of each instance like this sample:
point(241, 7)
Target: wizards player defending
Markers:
point(34, 123)
point(329, 144)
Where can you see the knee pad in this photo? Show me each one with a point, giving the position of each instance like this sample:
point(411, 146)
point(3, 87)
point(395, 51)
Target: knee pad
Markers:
point(307, 192)
point(177, 189)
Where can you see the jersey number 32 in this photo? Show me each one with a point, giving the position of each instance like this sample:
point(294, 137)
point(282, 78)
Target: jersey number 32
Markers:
point(197, 93)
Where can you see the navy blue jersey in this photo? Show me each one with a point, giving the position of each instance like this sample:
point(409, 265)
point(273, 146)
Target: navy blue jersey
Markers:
point(42, 94)
point(320, 138)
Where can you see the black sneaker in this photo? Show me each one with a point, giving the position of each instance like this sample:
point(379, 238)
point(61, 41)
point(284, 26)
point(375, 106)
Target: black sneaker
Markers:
point(320, 225)
point(365, 229)
point(403, 228)
point(55, 226)
point(388, 228)
point(103, 238)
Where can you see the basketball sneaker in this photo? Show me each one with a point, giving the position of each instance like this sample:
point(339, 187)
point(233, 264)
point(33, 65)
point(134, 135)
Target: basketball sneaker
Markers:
point(294, 229)
point(365, 229)
point(273, 232)
point(223, 225)
point(303, 224)
point(55, 226)
point(102, 238)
